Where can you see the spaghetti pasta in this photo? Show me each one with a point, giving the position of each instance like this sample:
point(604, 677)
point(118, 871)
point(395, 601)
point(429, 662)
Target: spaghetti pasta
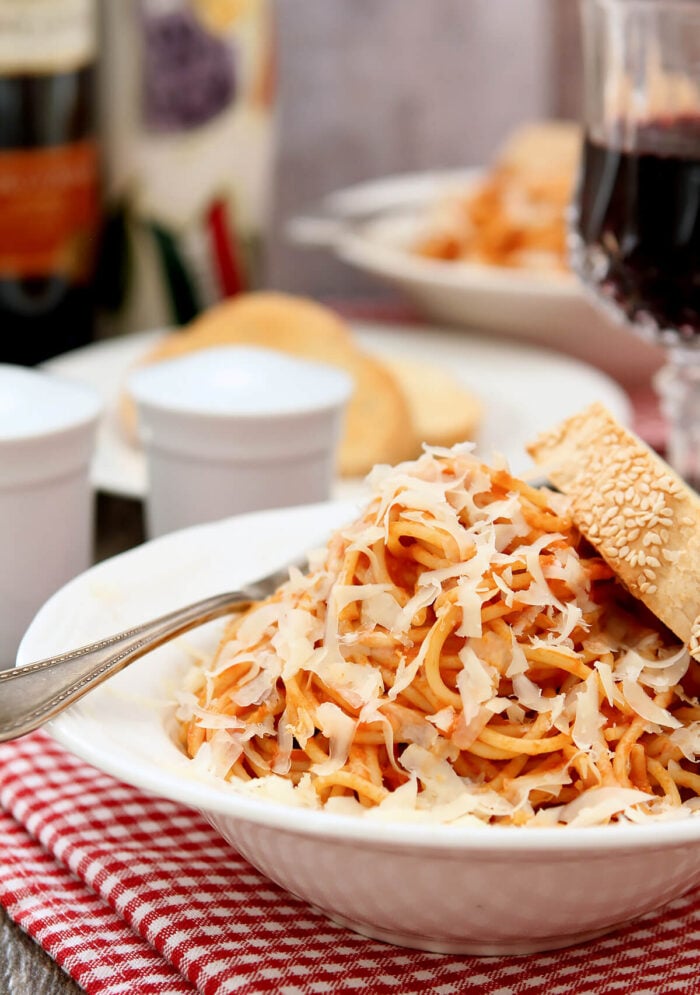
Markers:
point(458, 653)
point(505, 221)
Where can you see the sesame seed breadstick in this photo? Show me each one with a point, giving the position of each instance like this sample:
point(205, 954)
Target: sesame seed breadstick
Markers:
point(643, 519)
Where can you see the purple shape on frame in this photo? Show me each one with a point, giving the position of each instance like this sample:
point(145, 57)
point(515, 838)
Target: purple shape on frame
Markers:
point(188, 74)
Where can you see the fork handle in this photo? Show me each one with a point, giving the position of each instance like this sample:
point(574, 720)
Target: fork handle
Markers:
point(31, 695)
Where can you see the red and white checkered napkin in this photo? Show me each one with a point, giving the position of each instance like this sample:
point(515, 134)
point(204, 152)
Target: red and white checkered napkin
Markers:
point(131, 894)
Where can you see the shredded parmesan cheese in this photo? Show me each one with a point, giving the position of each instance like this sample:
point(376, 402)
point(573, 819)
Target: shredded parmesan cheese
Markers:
point(459, 653)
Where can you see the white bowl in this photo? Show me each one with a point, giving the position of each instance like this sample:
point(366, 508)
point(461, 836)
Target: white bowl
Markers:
point(371, 226)
point(475, 890)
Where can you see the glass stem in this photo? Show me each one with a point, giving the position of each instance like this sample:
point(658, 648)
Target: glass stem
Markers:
point(678, 385)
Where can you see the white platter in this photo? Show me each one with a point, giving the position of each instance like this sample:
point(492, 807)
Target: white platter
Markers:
point(524, 390)
point(371, 226)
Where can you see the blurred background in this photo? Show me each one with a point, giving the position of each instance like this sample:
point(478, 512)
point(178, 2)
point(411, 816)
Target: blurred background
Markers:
point(356, 90)
point(370, 88)
point(218, 121)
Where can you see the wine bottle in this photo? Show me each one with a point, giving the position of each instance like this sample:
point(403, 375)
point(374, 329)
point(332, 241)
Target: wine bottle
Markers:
point(49, 177)
point(188, 138)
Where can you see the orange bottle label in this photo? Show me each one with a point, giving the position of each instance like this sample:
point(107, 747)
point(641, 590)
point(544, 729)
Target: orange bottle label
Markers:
point(49, 209)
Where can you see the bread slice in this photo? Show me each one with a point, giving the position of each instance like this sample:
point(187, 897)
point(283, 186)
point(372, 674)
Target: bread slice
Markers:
point(443, 411)
point(641, 517)
point(269, 320)
point(542, 148)
point(378, 420)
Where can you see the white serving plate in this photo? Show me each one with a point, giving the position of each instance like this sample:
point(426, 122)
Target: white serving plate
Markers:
point(475, 890)
point(524, 391)
point(371, 226)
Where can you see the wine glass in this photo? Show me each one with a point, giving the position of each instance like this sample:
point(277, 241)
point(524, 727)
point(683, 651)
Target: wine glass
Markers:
point(636, 216)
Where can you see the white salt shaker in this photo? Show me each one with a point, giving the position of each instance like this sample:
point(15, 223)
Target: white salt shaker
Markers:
point(47, 431)
point(235, 429)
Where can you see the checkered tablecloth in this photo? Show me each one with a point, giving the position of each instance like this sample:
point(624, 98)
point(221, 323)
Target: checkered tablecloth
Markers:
point(133, 894)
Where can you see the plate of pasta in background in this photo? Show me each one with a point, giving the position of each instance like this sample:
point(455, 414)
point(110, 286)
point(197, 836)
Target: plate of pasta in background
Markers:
point(483, 248)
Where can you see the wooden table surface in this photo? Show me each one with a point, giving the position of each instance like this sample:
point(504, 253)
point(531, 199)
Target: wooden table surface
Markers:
point(24, 967)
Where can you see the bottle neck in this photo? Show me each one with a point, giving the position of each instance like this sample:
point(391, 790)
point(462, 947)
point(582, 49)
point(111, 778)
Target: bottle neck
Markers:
point(46, 36)
point(45, 111)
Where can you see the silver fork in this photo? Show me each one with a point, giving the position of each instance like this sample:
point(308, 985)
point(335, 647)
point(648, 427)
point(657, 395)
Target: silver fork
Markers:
point(31, 695)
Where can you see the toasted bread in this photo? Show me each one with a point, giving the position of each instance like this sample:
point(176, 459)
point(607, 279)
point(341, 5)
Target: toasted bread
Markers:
point(443, 411)
point(270, 320)
point(643, 519)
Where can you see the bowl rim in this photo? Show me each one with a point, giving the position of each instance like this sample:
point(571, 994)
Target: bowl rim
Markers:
point(360, 249)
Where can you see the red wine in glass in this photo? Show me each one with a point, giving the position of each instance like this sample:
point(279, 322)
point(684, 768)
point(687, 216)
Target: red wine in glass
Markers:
point(639, 226)
point(636, 219)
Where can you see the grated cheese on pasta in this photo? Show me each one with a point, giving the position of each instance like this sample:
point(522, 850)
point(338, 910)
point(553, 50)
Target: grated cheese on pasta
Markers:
point(459, 654)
